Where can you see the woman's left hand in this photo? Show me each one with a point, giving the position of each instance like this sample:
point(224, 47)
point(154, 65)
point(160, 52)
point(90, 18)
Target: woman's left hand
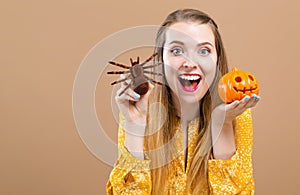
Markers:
point(234, 109)
point(222, 128)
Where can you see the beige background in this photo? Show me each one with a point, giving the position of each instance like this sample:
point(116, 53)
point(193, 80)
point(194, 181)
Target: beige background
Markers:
point(44, 42)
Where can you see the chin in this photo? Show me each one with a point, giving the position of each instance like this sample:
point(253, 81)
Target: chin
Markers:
point(191, 97)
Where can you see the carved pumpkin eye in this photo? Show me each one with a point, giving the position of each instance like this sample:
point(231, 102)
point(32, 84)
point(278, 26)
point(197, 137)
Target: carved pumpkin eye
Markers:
point(238, 79)
point(251, 77)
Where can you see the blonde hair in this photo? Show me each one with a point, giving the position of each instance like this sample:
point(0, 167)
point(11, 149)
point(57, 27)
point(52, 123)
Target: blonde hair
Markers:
point(162, 119)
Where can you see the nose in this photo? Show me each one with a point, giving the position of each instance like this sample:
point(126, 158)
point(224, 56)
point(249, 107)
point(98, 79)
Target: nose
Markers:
point(188, 65)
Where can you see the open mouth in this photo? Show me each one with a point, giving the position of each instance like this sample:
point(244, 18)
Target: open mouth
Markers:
point(189, 82)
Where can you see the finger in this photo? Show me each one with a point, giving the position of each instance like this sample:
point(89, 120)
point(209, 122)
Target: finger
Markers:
point(133, 94)
point(256, 97)
point(122, 76)
point(121, 91)
point(248, 102)
point(151, 86)
point(119, 81)
point(127, 81)
point(232, 105)
point(254, 100)
point(244, 102)
point(142, 104)
point(125, 89)
point(125, 97)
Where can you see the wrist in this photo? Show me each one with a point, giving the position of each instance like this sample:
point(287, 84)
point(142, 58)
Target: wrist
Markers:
point(134, 145)
point(133, 128)
point(228, 124)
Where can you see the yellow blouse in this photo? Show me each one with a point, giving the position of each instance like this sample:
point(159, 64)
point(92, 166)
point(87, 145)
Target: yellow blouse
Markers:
point(234, 176)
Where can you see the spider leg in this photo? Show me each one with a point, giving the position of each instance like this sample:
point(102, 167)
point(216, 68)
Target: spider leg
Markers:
point(119, 81)
point(150, 58)
point(124, 89)
point(150, 66)
point(118, 72)
point(156, 82)
point(120, 65)
point(154, 73)
point(131, 61)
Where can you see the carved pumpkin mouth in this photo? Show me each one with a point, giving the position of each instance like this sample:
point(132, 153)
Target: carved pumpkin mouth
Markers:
point(245, 90)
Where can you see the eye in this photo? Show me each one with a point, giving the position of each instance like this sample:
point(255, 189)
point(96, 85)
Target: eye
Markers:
point(176, 51)
point(251, 77)
point(238, 79)
point(204, 51)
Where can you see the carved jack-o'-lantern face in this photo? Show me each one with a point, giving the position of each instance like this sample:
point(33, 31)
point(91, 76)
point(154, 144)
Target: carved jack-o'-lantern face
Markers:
point(236, 84)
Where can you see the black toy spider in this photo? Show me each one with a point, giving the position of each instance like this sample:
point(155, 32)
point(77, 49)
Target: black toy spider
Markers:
point(138, 79)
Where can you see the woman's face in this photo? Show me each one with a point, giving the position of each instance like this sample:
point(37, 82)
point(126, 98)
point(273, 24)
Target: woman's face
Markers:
point(190, 59)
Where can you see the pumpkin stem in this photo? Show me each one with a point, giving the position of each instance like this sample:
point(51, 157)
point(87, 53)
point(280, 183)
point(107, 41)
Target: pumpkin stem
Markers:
point(234, 69)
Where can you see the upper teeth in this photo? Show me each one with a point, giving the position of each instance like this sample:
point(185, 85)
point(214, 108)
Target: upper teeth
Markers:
point(192, 77)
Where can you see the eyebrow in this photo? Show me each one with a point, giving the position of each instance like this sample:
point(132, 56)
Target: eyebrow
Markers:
point(200, 44)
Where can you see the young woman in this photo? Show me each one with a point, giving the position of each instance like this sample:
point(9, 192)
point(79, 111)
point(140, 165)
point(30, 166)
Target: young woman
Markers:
point(179, 138)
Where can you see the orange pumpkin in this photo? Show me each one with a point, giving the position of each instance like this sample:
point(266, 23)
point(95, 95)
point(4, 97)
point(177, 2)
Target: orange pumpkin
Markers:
point(236, 84)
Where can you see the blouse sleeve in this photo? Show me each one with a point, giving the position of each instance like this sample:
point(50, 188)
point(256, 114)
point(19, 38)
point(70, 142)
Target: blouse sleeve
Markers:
point(129, 175)
point(235, 176)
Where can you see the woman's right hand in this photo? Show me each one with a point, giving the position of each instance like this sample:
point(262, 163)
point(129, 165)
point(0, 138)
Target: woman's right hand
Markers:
point(134, 108)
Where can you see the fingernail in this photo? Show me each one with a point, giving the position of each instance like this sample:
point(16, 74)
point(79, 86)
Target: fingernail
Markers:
point(237, 102)
point(128, 81)
point(247, 98)
point(136, 96)
point(150, 81)
point(255, 97)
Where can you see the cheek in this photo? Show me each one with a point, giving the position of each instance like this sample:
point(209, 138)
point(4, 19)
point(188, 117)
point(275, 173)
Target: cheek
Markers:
point(171, 66)
point(172, 61)
point(209, 68)
point(211, 72)
point(170, 75)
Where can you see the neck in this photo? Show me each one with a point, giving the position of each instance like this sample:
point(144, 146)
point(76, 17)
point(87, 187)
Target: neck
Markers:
point(186, 110)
